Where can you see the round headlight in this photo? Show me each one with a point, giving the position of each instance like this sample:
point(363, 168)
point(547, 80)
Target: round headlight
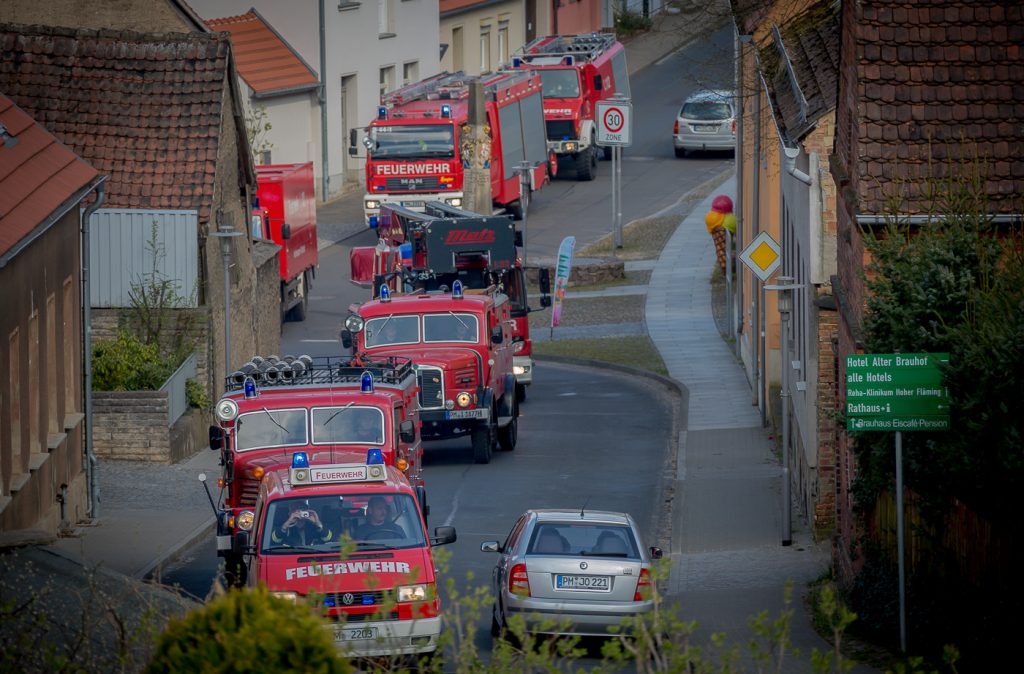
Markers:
point(287, 596)
point(449, 404)
point(456, 202)
point(463, 399)
point(226, 410)
point(354, 323)
point(245, 520)
point(372, 203)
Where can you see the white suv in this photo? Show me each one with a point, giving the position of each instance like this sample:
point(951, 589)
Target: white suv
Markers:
point(707, 121)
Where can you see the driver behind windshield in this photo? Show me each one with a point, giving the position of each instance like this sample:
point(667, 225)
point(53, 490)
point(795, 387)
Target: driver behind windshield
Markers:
point(378, 523)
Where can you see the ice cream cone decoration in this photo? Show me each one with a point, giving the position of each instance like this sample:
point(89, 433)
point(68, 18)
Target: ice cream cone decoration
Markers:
point(719, 219)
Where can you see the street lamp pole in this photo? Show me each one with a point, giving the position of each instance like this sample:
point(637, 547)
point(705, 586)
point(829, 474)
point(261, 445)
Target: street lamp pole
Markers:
point(524, 169)
point(225, 232)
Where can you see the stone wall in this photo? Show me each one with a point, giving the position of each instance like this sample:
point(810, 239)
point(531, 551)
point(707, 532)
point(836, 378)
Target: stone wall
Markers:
point(132, 426)
point(586, 273)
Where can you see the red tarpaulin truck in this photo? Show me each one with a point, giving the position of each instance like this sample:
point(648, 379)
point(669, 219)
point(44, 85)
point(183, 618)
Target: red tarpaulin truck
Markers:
point(444, 244)
point(578, 71)
point(417, 149)
point(285, 213)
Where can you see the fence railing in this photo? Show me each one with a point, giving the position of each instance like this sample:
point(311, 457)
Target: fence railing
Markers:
point(177, 401)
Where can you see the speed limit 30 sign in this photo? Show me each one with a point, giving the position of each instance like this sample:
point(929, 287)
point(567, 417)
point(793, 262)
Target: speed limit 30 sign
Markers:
point(614, 122)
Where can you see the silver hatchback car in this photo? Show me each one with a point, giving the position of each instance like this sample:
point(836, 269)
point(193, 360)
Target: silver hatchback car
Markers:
point(706, 121)
point(571, 572)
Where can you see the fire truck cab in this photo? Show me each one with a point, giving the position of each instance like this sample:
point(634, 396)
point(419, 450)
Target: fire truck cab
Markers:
point(351, 537)
point(429, 251)
point(461, 346)
point(577, 71)
point(419, 145)
point(326, 407)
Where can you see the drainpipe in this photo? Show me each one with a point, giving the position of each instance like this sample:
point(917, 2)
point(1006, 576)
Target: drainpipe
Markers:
point(322, 95)
point(90, 456)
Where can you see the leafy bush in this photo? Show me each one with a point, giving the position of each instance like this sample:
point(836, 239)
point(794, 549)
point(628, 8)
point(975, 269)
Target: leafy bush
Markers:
point(628, 22)
point(248, 631)
point(196, 395)
point(128, 364)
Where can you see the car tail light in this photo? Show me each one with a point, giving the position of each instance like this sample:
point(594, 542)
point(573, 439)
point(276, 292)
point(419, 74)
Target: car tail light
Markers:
point(518, 581)
point(675, 128)
point(643, 586)
point(734, 127)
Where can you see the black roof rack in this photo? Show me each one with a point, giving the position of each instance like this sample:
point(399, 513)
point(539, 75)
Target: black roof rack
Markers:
point(290, 371)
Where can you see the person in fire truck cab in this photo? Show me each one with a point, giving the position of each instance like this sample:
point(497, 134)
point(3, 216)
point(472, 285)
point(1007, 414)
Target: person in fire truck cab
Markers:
point(364, 427)
point(378, 522)
point(302, 528)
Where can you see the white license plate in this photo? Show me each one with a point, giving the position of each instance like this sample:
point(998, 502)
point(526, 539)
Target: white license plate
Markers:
point(591, 583)
point(706, 129)
point(466, 414)
point(355, 633)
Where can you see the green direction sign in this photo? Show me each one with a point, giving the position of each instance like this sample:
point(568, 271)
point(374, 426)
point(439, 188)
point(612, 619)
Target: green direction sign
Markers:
point(896, 391)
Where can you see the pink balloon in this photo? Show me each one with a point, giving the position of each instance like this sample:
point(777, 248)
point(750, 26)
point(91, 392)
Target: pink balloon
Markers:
point(722, 204)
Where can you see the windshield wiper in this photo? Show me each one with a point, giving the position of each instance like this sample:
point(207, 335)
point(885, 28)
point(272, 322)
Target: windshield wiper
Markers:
point(375, 546)
point(295, 548)
point(455, 316)
point(331, 418)
point(275, 420)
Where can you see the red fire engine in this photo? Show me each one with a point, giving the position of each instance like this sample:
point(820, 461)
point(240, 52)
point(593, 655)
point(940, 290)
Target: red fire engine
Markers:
point(461, 344)
point(327, 407)
point(417, 148)
point(352, 537)
point(431, 250)
point(578, 71)
point(285, 213)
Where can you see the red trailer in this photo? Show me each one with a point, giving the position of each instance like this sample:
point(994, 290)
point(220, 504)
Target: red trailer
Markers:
point(285, 213)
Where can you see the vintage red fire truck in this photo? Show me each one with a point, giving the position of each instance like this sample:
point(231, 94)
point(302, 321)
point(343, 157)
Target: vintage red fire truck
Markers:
point(461, 345)
point(578, 71)
point(418, 147)
point(325, 406)
point(285, 213)
point(350, 535)
point(431, 250)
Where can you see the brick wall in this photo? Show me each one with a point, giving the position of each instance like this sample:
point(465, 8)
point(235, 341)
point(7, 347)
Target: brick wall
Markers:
point(824, 507)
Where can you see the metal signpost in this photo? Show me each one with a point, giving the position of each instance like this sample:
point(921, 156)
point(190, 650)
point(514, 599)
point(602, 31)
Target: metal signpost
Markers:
point(523, 170)
point(897, 392)
point(614, 129)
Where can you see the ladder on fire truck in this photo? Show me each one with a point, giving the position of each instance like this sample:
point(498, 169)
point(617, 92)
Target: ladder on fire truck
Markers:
point(586, 46)
point(450, 86)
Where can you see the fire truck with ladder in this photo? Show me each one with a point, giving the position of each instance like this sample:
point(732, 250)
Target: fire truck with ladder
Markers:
point(429, 251)
point(419, 146)
point(578, 71)
point(328, 407)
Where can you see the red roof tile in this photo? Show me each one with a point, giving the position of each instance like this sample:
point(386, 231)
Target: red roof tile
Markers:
point(946, 81)
point(265, 61)
point(37, 175)
point(143, 108)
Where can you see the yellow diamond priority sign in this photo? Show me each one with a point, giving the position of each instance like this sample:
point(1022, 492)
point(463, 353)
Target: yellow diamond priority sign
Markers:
point(762, 256)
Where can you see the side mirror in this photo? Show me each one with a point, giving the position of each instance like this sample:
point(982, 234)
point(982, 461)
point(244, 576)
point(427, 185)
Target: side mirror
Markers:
point(443, 536)
point(497, 336)
point(286, 231)
point(240, 543)
point(545, 301)
point(656, 553)
point(517, 238)
point(346, 338)
point(421, 497)
point(353, 139)
point(353, 151)
point(544, 280)
point(406, 430)
point(490, 546)
point(216, 437)
point(598, 84)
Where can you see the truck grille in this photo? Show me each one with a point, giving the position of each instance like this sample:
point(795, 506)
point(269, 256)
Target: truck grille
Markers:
point(431, 380)
point(561, 129)
point(412, 184)
point(248, 491)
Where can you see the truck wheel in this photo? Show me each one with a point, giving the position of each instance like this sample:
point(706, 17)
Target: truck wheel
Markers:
point(586, 164)
point(483, 442)
point(507, 436)
point(520, 392)
point(298, 312)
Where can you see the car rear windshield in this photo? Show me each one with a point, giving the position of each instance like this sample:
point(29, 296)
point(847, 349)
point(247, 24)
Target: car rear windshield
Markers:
point(589, 539)
point(706, 110)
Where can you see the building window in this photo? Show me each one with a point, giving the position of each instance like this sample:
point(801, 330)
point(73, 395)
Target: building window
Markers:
point(385, 18)
point(503, 42)
point(69, 348)
point(410, 72)
point(485, 49)
point(387, 80)
point(457, 63)
point(51, 366)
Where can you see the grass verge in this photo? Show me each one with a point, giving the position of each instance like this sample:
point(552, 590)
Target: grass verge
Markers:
point(636, 351)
